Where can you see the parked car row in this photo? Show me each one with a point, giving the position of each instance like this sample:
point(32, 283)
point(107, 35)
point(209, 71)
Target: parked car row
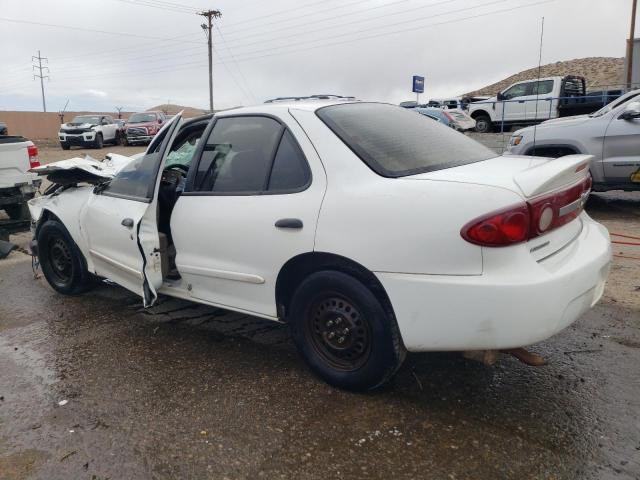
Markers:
point(93, 131)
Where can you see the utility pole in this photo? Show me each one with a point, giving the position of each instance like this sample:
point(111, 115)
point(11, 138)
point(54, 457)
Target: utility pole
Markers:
point(40, 68)
point(210, 15)
point(630, 44)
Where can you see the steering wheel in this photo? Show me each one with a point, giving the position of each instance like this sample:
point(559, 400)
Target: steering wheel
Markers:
point(178, 166)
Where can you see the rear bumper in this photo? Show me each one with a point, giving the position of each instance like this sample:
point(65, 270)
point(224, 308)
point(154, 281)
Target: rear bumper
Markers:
point(510, 305)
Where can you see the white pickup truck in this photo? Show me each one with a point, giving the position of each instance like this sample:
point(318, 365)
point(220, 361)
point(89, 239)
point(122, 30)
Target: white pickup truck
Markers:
point(17, 185)
point(534, 101)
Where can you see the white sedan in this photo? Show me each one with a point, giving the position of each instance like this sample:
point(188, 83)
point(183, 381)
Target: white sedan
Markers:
point(367, 228)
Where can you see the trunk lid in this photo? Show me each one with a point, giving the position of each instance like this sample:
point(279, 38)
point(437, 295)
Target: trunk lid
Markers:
point(527, 176)
point(532, 178)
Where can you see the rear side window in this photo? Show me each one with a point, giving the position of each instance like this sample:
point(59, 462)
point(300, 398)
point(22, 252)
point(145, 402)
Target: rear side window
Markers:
point(543, 87)
point(396, 142)
point(237, 155)
point(290, 170)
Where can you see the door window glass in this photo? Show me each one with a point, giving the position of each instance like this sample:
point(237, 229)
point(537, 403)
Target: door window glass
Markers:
point(137, 179)
point(519, 90)
point(290, 170)
point(237, 155)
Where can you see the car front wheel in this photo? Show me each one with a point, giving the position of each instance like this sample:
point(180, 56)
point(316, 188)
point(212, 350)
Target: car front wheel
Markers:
point(98, 141)
point(61, 260)
point(344, 333)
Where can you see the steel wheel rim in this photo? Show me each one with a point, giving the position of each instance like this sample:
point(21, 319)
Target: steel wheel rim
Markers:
point(338, 332)
point(60, 259)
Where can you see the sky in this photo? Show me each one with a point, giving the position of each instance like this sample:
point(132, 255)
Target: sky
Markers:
point(135, 54)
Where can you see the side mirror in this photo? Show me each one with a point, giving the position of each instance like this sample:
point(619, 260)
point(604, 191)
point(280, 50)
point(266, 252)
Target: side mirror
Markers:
point(500, 96)
point(631, 112)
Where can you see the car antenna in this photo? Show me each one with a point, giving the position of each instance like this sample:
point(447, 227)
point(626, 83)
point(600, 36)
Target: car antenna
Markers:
point(535, 119)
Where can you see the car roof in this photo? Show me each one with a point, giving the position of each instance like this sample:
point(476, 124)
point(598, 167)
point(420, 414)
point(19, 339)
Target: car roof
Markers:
point(283, 106)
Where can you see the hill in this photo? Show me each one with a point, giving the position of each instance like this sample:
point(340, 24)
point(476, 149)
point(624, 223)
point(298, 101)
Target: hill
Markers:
point(171, 109)
point(599, 72)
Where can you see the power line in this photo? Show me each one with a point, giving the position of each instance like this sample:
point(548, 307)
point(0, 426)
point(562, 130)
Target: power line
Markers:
point(224, 42)
point(376, 28)
point(69, 27)
point(40, 68)
point(261, 53)
point(358, 21)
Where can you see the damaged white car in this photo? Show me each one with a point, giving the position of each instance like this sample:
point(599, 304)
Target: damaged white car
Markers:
point(369, 229)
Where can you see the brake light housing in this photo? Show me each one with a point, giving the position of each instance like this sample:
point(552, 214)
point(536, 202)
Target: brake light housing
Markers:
point(32, 151)
point(527, 220)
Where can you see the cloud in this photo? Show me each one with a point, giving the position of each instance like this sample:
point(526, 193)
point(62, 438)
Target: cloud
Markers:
point(96, 93)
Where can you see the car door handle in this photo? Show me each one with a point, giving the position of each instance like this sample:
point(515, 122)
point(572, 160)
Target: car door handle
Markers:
point(127, 222)
point(289, 223)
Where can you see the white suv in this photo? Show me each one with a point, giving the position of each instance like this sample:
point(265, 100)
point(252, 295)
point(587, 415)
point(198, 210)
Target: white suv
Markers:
point(88, 131)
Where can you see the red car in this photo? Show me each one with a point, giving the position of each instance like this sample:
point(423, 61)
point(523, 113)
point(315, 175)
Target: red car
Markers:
point(142, 127)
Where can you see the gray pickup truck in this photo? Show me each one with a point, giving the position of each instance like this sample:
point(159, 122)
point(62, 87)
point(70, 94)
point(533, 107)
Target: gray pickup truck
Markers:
point(17, 184)
point(611, 135)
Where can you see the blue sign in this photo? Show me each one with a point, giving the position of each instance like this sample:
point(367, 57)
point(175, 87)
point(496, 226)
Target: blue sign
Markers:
point(418, 84)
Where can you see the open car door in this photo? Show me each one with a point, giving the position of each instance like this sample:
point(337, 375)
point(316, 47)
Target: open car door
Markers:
point(120, 220)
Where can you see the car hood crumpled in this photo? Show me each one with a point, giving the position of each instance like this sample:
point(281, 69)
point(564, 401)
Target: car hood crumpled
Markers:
point(83, 170)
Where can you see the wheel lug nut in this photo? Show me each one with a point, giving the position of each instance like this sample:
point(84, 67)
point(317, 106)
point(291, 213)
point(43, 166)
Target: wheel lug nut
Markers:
point(338, 321)
point(331, 335)
point(341, 340)
point(345, 331)
point(330, 323)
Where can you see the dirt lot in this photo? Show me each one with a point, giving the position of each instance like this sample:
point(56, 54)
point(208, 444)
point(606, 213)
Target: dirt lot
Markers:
point(52, 153)
point(95, 387)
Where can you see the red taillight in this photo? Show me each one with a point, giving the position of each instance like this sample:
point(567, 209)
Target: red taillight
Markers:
point(498, 229)
point(32, 151)
point(528, 220)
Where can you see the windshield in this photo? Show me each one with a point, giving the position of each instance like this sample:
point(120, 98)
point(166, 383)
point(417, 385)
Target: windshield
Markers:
point(615, 103)
point(142, 117)
point(395, 142)
point(86, 119)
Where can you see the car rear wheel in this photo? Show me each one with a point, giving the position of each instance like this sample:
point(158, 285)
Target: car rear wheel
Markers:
point(98, 141)
point(344, 333)
point(62, 262)
point(483, 124)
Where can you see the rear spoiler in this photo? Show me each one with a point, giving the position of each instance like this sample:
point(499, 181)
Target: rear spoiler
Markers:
point(553, 175)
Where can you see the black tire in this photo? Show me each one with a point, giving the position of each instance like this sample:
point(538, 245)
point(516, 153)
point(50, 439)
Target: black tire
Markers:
point(121, 140)
point(483, 124)
point(62, 263)
point(65, 146)
point(98, 141)
point(329, 306)
point(18, 211)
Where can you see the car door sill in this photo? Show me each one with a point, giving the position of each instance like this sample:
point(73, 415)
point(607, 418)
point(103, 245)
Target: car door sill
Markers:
point(224, 274)
point(117, 264)
point(178, 291)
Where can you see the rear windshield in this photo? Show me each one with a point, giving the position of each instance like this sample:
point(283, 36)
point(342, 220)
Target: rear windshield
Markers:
point(396, 142)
